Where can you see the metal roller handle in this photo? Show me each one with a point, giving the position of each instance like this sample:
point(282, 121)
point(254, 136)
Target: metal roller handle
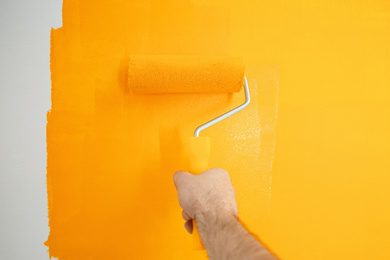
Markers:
point(227, 114)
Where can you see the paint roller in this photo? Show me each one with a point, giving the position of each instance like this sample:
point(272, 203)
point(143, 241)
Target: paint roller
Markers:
point(161, 74)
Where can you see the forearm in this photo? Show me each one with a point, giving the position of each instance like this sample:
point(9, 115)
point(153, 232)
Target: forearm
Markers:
point(225, 238)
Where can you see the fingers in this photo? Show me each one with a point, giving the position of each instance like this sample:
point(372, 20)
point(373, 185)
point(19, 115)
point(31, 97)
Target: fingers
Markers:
point(188, 226)
point(179, 177)
point(185, 215)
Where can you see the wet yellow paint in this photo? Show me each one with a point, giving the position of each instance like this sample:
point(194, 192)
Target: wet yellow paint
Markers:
point(309, 159)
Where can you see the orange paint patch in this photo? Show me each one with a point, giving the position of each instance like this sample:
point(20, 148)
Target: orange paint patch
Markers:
point(112, 154)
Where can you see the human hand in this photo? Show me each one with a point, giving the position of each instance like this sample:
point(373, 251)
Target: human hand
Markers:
point(209, 194)
point(209, 199)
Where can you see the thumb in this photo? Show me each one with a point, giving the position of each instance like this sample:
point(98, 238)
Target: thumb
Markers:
point(180, 177)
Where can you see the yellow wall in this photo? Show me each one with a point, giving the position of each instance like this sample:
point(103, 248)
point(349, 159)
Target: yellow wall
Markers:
point(309, 158)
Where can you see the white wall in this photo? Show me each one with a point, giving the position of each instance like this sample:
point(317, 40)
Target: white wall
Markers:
point(24, 100)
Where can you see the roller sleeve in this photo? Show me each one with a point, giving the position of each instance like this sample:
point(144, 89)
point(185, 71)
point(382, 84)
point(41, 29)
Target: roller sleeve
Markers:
point(159, 74)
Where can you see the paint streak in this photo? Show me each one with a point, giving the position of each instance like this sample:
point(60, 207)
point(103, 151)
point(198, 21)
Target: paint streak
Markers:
point(321, 141)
